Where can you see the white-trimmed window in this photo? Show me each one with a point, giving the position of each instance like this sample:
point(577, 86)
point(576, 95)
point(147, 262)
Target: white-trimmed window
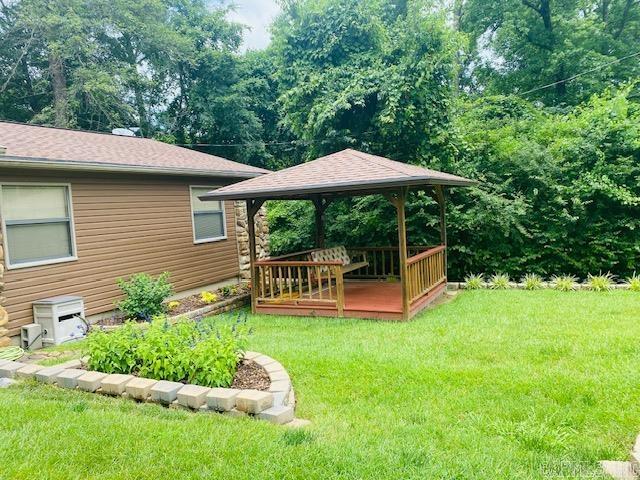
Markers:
point(208, 217)
point(37, 223)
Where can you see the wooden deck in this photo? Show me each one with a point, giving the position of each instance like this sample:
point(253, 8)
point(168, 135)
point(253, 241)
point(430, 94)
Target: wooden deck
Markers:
point(362, 299)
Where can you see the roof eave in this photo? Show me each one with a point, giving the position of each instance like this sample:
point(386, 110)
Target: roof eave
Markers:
point(67, 165)
point(353, 188)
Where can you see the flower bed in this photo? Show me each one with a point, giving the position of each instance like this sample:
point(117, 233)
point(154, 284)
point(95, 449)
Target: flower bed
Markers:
point(205, 352)
point(207, 299)
point(275, 404)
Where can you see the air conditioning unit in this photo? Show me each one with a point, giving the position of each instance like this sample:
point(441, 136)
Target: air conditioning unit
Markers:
point(61, 319)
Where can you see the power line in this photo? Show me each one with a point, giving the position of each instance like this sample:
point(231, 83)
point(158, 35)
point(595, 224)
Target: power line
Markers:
point(292, 142)
point(595, 69)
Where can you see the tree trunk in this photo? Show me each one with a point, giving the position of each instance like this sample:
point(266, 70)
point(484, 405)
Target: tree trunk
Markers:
point(59, 84)
point(142, 110)
point(623, 19)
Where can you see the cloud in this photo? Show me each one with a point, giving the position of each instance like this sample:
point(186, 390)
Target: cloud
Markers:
point(257, 15)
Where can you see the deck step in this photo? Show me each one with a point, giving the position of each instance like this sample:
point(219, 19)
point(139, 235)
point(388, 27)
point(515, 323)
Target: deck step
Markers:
point(619, 470)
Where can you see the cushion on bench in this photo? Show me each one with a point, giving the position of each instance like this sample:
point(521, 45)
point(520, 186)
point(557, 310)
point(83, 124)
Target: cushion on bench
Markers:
point(331, 255)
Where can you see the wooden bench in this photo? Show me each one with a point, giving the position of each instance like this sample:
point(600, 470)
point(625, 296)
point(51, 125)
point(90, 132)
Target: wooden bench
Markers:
point(339, 254)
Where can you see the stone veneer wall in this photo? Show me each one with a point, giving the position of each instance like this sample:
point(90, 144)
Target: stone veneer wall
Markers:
point(4, 316)
point(262, 237)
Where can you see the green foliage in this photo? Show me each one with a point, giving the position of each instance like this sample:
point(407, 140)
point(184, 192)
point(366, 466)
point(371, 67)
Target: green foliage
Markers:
point(114, 352)
point(354, 76)
point(499, 281)
point(473, 281)
point(522, 45)
point(144, 295)
point(203, 353)
point(557, 192)
point(564, 283)
point(633, 282)
point(602, 282)
point(532, 281)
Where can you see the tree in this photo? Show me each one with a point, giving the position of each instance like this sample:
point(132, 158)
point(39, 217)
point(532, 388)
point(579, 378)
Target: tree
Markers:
point(519, 45)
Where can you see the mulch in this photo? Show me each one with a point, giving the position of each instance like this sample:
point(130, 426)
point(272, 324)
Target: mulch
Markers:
point(194, 302)
point(250, 375)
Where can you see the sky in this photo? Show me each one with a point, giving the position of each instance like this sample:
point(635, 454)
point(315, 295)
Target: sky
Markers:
point(257, 14)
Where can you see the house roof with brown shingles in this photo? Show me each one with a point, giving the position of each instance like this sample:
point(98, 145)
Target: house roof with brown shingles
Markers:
point(345, 171)
point(57, 148)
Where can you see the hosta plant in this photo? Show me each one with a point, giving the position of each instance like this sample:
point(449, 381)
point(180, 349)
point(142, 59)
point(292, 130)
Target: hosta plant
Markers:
point(499, 281)
point(633, 282)
point(532, 281)
point(600, 283)
point(564, 283)
point(474, 282)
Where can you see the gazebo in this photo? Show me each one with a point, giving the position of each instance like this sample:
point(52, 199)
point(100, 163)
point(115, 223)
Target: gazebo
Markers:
point(391, 283)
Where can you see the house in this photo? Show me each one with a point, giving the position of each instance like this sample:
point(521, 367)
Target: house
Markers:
point(81, 209)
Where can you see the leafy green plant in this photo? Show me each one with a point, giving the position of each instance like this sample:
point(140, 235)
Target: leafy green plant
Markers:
point(633, 282)
point(499, 281)
point(602, 282)
point(532, 281)
point(564, 283)
point(203, 353)
point(473, 281)
point(144, 295)
point(113, 352)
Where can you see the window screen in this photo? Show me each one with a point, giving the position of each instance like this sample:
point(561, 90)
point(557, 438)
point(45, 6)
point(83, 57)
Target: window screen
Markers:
point(37, 221)
point(208, 217)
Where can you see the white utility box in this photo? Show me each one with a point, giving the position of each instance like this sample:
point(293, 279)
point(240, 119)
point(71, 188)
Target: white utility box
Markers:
point(61, 318)
point(31, 336)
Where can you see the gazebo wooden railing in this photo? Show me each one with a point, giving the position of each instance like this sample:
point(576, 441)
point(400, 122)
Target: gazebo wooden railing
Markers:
point(292, 281)
point(300, 283)
point(383, 262)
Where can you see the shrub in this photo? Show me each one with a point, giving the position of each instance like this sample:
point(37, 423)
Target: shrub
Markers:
point(186, 351)
point(499, 281)
point(600, 283)
point(144, 295)
point(564, 283)
point(531, 281)
point(633, 282)
point(208, 297)
point(474, 282)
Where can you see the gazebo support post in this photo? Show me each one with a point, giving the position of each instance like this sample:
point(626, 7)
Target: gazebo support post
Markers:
point(439, 190)
point(321, 204)
point(399, 200)
point(252, 208)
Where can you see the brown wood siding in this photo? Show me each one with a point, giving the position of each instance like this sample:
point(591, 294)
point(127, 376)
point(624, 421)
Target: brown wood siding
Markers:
point(123, 225)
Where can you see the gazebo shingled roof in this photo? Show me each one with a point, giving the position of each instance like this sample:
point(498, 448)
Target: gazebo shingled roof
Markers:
point(345, 171)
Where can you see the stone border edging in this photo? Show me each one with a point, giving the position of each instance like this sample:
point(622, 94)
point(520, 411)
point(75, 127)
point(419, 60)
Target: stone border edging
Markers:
point(277, 405)
point(624, 470)
point(214, 309)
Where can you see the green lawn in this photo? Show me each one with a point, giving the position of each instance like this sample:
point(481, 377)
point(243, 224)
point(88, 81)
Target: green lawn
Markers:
point(507, 384)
